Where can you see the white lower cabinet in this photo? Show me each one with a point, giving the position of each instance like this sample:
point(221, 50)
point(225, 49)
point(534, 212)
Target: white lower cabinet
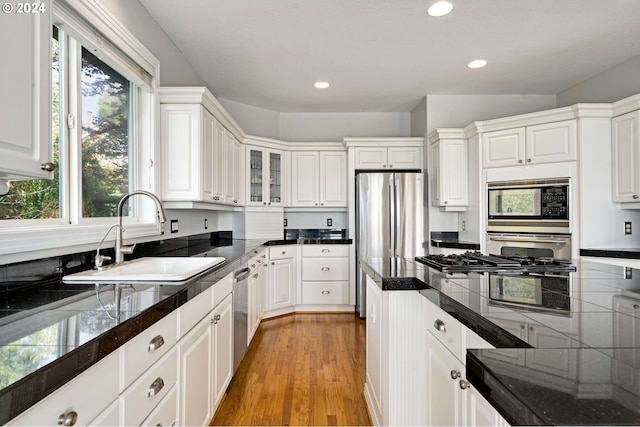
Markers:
point(166, 413)
point(282, 269)
point(257, 293)
point(85, 397)
point(325, 275)
point(222, 349)
point(415, 373)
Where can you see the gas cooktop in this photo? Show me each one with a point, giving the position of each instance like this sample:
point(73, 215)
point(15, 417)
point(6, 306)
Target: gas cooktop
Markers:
point(476, 262)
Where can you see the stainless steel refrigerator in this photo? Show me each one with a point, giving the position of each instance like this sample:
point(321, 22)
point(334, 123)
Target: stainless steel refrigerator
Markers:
point(389, 220)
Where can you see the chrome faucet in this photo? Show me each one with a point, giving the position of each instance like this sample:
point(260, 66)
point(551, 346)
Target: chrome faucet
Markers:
point(120, 249)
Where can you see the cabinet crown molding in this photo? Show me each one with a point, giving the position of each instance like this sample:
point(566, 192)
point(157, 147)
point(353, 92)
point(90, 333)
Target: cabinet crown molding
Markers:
point(201, 95)
point(576, 111)
point(383, 142)
point(447, 133)
point(626, 105)
point(292, 146)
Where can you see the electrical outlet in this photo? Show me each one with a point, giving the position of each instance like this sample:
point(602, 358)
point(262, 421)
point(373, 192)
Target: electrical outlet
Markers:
point(284, 222)
point(329, 222)
point(627, 227)
point(206, 224)
point(174, 225)
point(628, 273)
point(464, 225)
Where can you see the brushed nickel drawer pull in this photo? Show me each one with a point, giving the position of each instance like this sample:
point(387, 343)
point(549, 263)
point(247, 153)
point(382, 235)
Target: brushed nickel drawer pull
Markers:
point(325, 292)
point(439, 325)
point(68, 419)
point(455, 374)
point(156, 343)
point(326, 251)
point(155, 387)
point(464, 384)
point(325, 269)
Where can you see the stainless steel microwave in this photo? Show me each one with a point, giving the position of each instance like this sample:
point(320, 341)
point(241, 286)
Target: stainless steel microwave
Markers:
point(531, 206)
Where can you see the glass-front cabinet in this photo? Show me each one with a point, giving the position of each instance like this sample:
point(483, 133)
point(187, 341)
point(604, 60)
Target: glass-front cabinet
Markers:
point(264, 176)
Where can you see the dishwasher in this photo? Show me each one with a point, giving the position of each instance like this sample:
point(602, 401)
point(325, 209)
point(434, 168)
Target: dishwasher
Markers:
point(240, 311)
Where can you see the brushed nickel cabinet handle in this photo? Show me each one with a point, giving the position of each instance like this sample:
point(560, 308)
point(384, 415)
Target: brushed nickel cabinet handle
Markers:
point(325, 269)
point(439, 325)
point(68, 419)
point(464, 384)
point(49, 167)
point(325, 292)
point(155, 387)
point(325, 251)
point(155, 343)
point(455, 374)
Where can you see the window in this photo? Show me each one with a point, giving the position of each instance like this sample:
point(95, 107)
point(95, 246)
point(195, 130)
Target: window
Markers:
point(103, 136)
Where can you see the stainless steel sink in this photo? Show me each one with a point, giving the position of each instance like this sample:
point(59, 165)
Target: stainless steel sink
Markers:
point(167, 270)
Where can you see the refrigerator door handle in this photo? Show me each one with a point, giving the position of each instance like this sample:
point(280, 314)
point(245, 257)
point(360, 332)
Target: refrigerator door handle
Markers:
point(392, 217)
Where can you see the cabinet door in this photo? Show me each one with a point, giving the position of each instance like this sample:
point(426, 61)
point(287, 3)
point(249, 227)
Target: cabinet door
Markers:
point(445, 404)
point(373, 385)
point(222, 349)
point(305, 175)
point(181, 151)
point(236, 173)
point(255, 174)
point(453, 170)
point(274, 185)
point(211, 161)
point(281, 276)
point(625, 157)
point(25, 90)
point(252, 303)
point(371, 158)
point(219, 165)
point(227, 156)
point(404, 157)
point(551, 142)
point(195, 375)
point(503, 148)
point(333, 179)
point(436, 174)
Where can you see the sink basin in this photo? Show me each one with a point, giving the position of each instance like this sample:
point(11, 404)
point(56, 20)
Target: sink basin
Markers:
point(163, 269)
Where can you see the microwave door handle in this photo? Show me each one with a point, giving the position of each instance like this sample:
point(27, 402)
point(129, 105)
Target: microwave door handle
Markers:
point(527, 239)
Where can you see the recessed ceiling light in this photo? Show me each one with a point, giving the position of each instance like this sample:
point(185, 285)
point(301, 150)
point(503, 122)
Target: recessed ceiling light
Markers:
point(478, 63)
point(440, 8)
point(321, 85)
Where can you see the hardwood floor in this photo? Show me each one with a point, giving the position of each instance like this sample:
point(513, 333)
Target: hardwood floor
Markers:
point(300, 369)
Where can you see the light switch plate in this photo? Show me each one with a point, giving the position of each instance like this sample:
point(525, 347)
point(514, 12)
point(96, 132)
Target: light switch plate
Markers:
point(174, 225)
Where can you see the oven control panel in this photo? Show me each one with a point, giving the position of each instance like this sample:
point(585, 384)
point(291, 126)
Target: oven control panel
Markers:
point(555, 202)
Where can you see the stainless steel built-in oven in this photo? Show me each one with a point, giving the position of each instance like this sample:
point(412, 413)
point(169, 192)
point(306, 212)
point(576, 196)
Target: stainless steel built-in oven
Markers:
point(532, 206)
point(529, 218)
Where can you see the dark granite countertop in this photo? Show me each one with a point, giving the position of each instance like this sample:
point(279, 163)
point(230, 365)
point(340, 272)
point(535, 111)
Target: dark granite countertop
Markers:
point(633, 253)
point(35, 304)
point(573, 363)
point(449, 239)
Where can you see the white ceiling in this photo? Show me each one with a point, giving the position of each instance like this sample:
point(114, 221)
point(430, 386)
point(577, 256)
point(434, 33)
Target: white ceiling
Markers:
point(386, 55)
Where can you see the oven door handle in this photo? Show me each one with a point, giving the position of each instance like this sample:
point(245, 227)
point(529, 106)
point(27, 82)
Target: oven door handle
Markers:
point(529, 239)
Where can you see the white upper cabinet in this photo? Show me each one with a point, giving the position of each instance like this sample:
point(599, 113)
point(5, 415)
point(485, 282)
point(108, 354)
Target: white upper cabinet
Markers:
point(388, 157)
point(25, 90)
point(202, 160)
point(264, 176)
point(449, 170)
point(625, 156)
point(319, 178)
point(544, 143)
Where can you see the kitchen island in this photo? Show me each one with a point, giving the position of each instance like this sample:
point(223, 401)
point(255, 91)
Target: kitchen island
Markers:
point(571, 361)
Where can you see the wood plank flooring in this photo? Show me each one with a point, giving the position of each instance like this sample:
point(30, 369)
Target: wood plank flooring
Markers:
point(300, 369)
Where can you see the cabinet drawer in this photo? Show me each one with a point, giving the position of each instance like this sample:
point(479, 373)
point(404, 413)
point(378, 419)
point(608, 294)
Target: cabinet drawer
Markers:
point(282, 252)
point(325, 250)
point(445, 328)
point(88, 395)
point(221, 289)
point(325, 269)
point(147, 347)
point(139, 400)
point(190, 313)
point(166, 413)
point(325, 292)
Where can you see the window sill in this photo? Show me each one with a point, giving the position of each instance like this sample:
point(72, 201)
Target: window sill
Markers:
point(25, 243)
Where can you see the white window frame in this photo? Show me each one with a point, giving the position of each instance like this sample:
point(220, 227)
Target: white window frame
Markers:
point(30, 239)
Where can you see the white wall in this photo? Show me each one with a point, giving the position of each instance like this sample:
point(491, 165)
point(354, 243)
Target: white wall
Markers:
point(457, 111)
point(175, 70)
point(254, 120)
point(616, 83)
